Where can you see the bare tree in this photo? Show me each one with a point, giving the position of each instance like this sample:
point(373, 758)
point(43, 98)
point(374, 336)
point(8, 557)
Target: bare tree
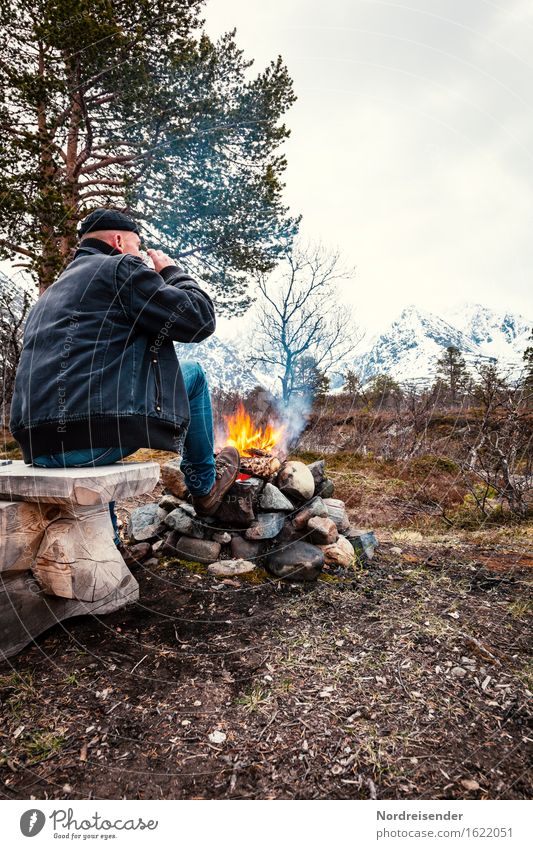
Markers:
point(500, 454)
point(302, 317)
point(14, 307)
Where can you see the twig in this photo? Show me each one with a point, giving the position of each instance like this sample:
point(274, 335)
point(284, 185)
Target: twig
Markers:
point(138, 664)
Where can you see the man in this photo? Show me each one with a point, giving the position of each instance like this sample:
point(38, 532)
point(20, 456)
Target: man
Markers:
point(98, 376)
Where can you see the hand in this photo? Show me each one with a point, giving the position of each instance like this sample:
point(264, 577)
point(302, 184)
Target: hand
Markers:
point(159, 259)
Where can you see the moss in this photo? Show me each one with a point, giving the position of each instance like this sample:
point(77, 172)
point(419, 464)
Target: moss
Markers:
point(306, 456)
point(190, 565)
point(10, 451)
point(433, 463)
point(327, 578)
point(345, 460)
point(258, 576)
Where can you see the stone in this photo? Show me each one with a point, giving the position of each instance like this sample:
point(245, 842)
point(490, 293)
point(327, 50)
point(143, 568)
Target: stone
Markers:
point(217, 737)
point(151, 563)
point(364, 542)
point(266, 526)
point(396, 551)
point(326, 489)
point(339, 553)
point(318, 472)
point(323, 530)
point(198, 550)
point(229, 568)
point(236, 509)
point(249, 486)
point(299, 561)
point(222, 537)
point(157, 546)
point(246, 549)
point(316, 507)
point(168, 549)
point(337, 511)
point(146, 522)
point(187, 508)
point(290, 533)
point(458, 672)
point(470, 784)
point(173, 479)
point(273, 499)
point(169, 502)
point(181, 520)
point(296, 481)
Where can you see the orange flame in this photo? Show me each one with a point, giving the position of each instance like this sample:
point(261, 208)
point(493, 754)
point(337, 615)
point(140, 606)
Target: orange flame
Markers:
point(243, 435)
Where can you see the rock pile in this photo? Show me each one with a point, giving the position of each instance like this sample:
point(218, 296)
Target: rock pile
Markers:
point(291, 525)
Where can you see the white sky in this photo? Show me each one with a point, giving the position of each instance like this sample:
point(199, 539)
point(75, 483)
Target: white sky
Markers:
point(412, 142)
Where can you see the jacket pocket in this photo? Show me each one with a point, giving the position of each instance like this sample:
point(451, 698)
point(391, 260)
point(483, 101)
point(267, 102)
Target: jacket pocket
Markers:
point(157, 381)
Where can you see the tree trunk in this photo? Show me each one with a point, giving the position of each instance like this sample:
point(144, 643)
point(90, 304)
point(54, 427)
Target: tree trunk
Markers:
point(48, 262)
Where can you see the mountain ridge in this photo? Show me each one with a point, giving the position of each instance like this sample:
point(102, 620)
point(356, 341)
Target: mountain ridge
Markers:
point(407, 349)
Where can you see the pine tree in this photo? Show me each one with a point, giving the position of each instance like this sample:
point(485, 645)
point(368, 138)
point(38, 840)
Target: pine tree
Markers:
point(310, 380)
point(490, 385)
point(382, 389)
point(452, 373)
point(128, 104)
point(352, 383)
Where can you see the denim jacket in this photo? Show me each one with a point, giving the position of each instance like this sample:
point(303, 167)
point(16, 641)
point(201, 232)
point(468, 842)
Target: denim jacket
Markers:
point(98, 366)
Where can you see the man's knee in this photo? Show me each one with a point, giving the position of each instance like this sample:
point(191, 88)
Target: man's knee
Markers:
point(195, 376)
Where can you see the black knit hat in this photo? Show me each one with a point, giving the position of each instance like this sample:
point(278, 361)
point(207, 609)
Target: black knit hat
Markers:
point(106, 219)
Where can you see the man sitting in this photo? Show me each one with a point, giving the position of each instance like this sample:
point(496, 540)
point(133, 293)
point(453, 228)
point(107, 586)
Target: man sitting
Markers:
point(98, 375)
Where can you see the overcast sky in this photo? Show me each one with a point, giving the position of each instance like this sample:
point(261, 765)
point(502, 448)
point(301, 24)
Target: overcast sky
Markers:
point(412, 141)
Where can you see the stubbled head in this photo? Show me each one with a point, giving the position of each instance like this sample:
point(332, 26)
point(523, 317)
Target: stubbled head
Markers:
point(122, 240)
point(113, 227)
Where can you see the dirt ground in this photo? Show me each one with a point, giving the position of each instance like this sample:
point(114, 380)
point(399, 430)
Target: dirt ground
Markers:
point(406, 678)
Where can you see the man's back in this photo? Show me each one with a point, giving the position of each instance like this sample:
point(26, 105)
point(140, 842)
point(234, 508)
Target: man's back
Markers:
point(98, 365)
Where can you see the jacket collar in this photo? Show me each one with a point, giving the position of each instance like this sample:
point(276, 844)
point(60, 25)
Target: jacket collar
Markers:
point(97, 245)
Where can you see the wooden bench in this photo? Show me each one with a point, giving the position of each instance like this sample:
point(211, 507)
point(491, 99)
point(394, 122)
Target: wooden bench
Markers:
point(57, 554)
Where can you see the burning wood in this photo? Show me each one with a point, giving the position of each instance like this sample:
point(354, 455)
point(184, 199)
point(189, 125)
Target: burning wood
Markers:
point(261, 467)
point(250, 440)
point(259, 448)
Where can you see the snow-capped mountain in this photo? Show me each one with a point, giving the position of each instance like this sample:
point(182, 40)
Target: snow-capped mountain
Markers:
point(409, 348)
point(224, 364)
point(500, 335)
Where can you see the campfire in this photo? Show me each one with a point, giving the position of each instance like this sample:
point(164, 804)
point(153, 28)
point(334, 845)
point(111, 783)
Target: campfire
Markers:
point(279, 514)
point(260, 448)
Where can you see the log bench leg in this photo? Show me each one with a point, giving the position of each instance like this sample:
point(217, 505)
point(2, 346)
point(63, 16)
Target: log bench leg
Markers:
point(52, 570)
point(26, 610)
point(77, 558)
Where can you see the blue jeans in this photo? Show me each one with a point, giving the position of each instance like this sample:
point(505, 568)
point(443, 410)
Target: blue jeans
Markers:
point(197, 465)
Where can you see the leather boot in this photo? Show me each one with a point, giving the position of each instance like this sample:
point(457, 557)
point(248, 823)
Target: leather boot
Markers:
point(226, 469)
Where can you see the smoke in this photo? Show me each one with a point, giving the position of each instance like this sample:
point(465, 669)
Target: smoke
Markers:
point(294, 415)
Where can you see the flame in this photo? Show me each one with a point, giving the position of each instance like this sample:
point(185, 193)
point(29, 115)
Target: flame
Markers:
point(243, 434)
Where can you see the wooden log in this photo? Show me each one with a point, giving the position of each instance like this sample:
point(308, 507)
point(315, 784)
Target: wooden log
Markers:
point(77, 557)
point(58, 558)
point(21, 530)
point(260, 467)
point(98, 485)
point(26, 611)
